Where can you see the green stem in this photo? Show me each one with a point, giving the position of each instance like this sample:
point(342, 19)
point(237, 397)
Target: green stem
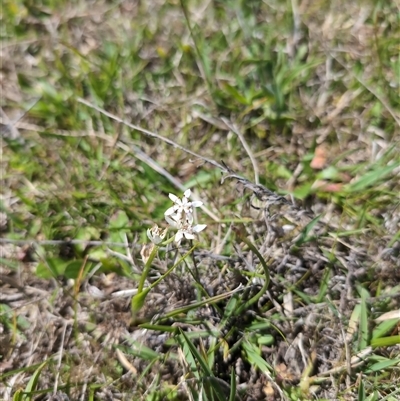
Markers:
point(256, 297)
point(147, 267)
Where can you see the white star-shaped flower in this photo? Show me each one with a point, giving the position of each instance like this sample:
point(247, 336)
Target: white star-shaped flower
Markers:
point(182, 210)
point(188, 231)
point(180, 216)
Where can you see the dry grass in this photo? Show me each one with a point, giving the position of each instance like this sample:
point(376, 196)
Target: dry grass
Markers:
point(107, 107)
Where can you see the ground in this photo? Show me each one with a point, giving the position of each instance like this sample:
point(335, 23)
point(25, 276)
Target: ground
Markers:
point(282, 118)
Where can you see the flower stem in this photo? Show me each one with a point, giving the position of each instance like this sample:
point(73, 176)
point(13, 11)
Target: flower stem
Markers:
point(147, 267)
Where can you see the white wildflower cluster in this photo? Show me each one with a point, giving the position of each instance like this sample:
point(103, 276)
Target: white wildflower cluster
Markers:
point(180, 216)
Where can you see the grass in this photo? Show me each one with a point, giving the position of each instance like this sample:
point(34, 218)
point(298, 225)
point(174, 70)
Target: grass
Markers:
point(109, 106)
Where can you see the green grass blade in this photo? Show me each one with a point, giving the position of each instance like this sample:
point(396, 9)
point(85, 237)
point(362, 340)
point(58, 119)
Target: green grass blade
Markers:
point(361, 391)
point(386, 341)
point(383, 365)
point(232, 395)
point(195, 355)
point(254, 358)
point(18, 395)
point(363, 328)
point(384, 327)
point(31, 386)
point(371, 178)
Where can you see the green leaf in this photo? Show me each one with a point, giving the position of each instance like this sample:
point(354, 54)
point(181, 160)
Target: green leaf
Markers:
point(73, 269)
point(372, 397)
point(330, 173)
point(364, 330)
point(232, 91)
point(211, 384)
point(266, 339)
point(203, 177)
point(138, 301)
point(119, 220)
point(384, 327)
point(379, 366)
point(189, 355)
point(31, 386)
point(254, 358)
point(307, 230)
point(215, 386)
point(9, 263)
point(303, 191)
point(232, 395)
point(51, 267)
point(86, 234)
point(165, 329)
point(323, 288)
point(361, 391)
point(185, 341)
point(385, 341)
point(100, 255)
point(371, 178)
point(18, 395)
point(229, 309)
point(259, 324)
point(139, 349)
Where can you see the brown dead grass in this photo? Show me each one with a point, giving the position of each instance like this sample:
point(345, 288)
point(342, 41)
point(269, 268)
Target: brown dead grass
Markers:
point(78, 332)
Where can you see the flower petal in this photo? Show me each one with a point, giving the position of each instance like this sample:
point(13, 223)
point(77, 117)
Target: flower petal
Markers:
point(178, 236)
point(187, 193)
point(174, 198)
point(177, 217)
point(171, 222)
point(170, 211)
point(188, 235)
point(197, 203)
point(189, 218)
point(199, 227)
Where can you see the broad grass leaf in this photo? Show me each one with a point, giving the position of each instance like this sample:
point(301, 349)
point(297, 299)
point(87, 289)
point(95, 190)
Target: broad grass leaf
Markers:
point(371, 178)
point(51, 267)
point(254, 357)
point(383, 365)
point(361, 391)
point(196, 356)
point(119, 220)
point(140, 350)
point(190, 359)
point(384, 327)
point(33, 381)
point(18, 395)
point(324, 286)
point(363, 323)
point(266, 339)
point(86, 234)
point(73, 269)
point(9, 263)
point(372, 397)
point(385, 341)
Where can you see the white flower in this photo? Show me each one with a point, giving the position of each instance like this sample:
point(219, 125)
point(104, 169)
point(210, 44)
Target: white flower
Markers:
point(171, 222)
point(188, 231)
point(185, 229)
point(180, 216)
point(182, 210)
point(155, 234)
